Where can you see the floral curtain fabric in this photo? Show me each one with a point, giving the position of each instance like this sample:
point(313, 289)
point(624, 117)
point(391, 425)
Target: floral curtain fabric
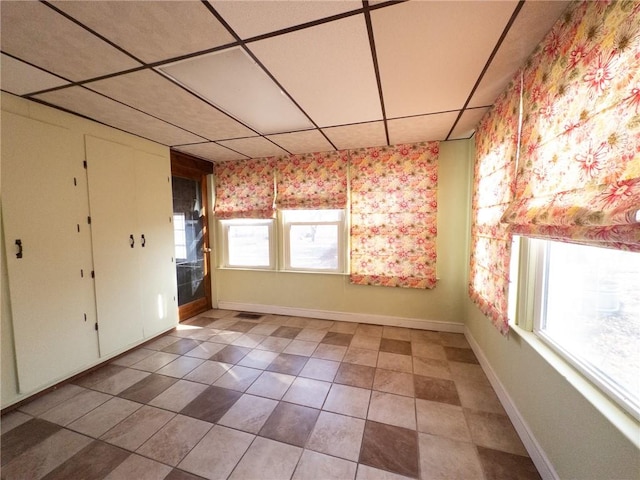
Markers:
point(579, 175)
point(245, 188)
point(313, 181)
point(393, 215)
point(494, 182)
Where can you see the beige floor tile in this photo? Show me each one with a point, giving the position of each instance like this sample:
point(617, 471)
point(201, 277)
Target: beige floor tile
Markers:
point(316, 324)
point(442, 419)
point(394, 382)
point(75, 407)
point(225, 337)
point(173, 441)
point(454, 340)
point(274, 344)
point(395, 362)
point(238, 378)
point(426, 336)
point(396, 333)
point(217, 454)
point(392, 410)
point(371, 330)
point(106, 416)
point(352, 401)
point(258, 359)
point(311, 335)
point(308, 392)
point(320, 369)
point(361, 356)
point(330, 352)
point(263, 329)
point(180, 367)
point(479, 396)
point(267, 459)
point(155, 362)
point(344, 327)
point(12, 420)
point(205, 350)
point(136, 429)
point(249, 413)
point(51, 399)
point(444, 459)
point(494, 431)
point(178, 395)
point(45, 456)
point(430, 367)
point(208, 372)
point(369, 342)
point(139, 468)
point(314, 465)
point(301, 347)
point(467, 372)
point(249, 340)
point(337, 435)
point(428, 350)
point(133, 357)
point(161, 342)
point(121, 381)
point(271, 385)
point(365, 472)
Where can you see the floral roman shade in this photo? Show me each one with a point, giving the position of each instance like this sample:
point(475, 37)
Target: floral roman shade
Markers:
point(312, 181)
point(579, 175)
point(494, 181)
point(245, 188)
point(393, 215)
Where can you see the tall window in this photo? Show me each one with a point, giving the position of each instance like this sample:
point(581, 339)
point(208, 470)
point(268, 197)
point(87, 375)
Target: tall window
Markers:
point(247, 243)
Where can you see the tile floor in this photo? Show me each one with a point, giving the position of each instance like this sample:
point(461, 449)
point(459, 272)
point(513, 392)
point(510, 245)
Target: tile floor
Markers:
point(276, 397)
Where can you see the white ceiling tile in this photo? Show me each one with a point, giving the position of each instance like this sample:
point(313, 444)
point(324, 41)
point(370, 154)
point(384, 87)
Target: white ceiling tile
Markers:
point(210, 151)
point(255, 147)
point(308, 141)
point(333, 84)
point(468, 123)
point(20, 78)
point(430, 54)
point(360, 135)
point(37, 34)
point(109, 112)
point(421, 129)
point(252, 18)
point(152, 30)
point(533, 22)
point(149, 91)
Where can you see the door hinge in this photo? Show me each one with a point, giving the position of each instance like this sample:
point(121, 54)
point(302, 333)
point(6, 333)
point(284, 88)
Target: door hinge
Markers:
point(85, 317)
point(75, 182)
point(96, 326)
point(81, 273)
point(78, 227)
point(84, 163)
point(93, 274)
point(89, 220)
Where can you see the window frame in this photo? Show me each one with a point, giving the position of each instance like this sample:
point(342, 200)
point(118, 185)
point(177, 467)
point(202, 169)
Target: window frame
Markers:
point(286, 225)
point(223, 231)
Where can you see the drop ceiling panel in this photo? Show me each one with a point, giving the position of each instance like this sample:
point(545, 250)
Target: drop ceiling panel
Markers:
point(430, 54)
point(20, 78)
point(328, 69)
point(533, 22)
point(421, 129)
point(150, 92)
point(360, 135)
point(37, 34)
point(255, 147)
point(467, 123)
point(252, 18)
point(302, 142)
point(109, 112)
point(152, 30)
point(210, 151)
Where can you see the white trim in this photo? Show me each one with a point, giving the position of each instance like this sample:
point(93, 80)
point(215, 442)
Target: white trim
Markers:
point(344, 316)
point(537, 454)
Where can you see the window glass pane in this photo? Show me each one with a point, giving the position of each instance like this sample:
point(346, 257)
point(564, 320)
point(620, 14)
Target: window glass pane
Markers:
point(593, 312)
point(314, 246)
point(180, 235)
point(248, 245)
point(312, 215)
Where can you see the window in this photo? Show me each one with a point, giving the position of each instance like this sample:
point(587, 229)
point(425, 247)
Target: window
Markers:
point(247, 243)
point(180, 235)
point(588, 310)
point(314, 240)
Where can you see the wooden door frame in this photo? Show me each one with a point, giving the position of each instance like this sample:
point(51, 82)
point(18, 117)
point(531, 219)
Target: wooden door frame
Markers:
point(186, 166)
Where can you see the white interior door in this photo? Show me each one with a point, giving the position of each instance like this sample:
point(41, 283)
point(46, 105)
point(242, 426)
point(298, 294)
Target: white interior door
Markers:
point(116, 243)
point(45, 206)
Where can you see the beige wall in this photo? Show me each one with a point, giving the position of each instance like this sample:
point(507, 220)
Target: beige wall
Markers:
point(334, 293)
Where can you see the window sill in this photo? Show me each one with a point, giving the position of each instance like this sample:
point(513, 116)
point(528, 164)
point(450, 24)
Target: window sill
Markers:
point(271, 270)
point(613, 412)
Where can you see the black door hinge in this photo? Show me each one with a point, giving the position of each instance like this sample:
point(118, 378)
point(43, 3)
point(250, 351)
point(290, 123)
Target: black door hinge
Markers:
point(96, 326)
point(93, 274)
point(89, 220)
point(84, 163)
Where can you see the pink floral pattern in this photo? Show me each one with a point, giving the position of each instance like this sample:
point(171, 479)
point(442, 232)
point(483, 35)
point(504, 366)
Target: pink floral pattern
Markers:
point(579, 175)
point(313, 181)
point(393, 215)
point(245, 188)
point(494, 182)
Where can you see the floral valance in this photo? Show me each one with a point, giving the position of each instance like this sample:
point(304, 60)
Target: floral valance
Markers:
point(312, 181)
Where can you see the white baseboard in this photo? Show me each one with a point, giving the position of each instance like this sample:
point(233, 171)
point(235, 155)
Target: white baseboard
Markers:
point(537, 454)
point(345, 316)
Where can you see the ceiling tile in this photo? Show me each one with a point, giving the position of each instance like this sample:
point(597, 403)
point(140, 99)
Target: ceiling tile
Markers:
point(33, 32)
point(468, 123)
point(533, 22)
point(210, 151)
point(251, 18)
point(360, 135)
point(308, 141)
point(334, 85)
point(150, 92)
point(255, 147)
point(421, 129)
point(430, 54)
point(109, 112)
point(152, 30)
point(20, 78)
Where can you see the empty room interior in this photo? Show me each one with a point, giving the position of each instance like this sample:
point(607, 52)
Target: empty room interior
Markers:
point(320, 239)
